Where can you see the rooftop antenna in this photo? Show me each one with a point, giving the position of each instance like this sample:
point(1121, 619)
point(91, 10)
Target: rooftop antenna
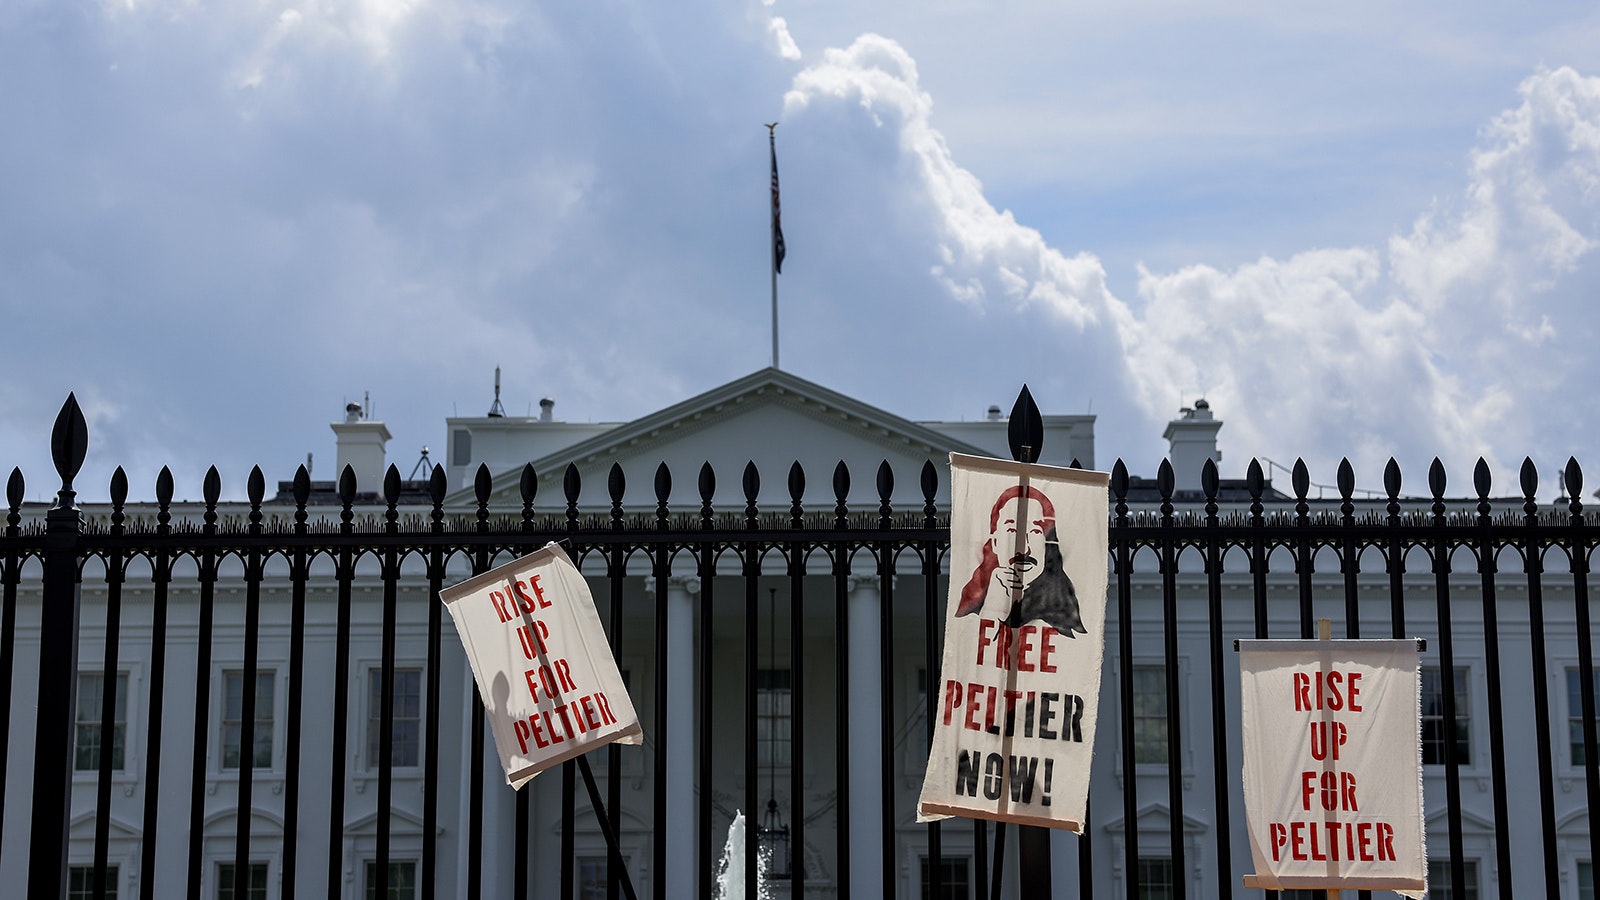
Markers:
point(497, 411)
point(308, 463)
point(424, 465)
point(366, 404)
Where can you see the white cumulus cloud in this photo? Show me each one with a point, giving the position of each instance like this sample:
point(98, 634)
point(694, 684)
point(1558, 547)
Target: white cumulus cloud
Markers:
point(1457, 339)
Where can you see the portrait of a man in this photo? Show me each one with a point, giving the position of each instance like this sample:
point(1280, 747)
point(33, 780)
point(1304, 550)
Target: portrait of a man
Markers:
point(1022, 528)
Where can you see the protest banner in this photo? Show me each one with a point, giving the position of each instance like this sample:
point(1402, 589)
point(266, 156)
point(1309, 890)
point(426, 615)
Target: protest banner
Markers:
point(545, 673)
point(1019, 685)
point(1333, 764)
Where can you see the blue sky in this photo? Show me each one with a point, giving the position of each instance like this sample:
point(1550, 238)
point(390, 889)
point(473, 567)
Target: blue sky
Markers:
point(1360, 230)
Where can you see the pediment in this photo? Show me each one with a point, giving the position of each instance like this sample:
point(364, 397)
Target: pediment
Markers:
point(82, 827)
point(1157, 817)
point(771, 418)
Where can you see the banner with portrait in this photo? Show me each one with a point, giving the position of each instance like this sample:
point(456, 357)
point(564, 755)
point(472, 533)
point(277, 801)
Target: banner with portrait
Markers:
point(1019, 686)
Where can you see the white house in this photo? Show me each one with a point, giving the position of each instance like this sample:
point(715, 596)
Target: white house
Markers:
point(773, 418)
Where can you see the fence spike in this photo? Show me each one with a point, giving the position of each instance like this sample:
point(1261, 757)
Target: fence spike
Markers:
point(1025, 429)
point(751, 482)
point(708, 487)
point(616, 486)
point(69, 444)
point(528, 487)
point(885, 489)
point(841, 490)
point(797, 490)
point(663, 486)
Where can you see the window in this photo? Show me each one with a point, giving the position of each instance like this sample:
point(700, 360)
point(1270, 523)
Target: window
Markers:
point(955, 882)
point(255, 890)
point(1585, 881)
point(233, 719)
point(80, 883)
point(89, 741)
point(402, 881)
point(1149, 714)
point(1439, 884)
point(1575, 712)
point(1155, 878)
point(591, 878)
point(1434, 727)
point(460, 447)
point(772, 717)
point(405, 736)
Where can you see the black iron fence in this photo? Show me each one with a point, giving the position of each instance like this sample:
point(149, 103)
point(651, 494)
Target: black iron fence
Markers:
point(1502, 581)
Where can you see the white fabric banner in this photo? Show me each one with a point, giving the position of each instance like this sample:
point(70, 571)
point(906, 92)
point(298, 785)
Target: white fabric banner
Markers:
point(545, 673)
point(1019, 686)
point(1333, 764)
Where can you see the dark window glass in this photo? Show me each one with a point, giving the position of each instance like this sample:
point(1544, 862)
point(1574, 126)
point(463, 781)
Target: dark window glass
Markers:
point(255, 890)
point(954, 878)
point(1439, 884)
point(402, 881)
point(1434, 727)
point(405, 739)
point(1155, 878)
point(1149, 714)
point(88, 740)
point(233, 718)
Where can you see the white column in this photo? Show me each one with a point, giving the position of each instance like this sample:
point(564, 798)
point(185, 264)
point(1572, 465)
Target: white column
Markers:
point(680, 730)
point(864, 693)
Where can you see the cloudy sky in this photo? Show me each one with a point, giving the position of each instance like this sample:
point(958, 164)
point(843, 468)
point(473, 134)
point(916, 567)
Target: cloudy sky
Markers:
point(1365, 229)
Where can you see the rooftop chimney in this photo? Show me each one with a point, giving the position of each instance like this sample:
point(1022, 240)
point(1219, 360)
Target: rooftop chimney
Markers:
point(360, 446)
point(547, 408)
point(1192, 439)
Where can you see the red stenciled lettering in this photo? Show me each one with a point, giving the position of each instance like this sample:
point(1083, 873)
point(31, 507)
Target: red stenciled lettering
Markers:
point(538, 592)
point(974, 698)
point(524, 602)
point(498, 601)
point(1355, 692)
point(1385, 842)
point(983, 638)
point(521, 728)
point(952, 699)
point(607, 717)
point(1047, 636)
point(538, 733)
point(1364, 841)
point(589, 713)
point(564, 674)
point(1280, 837)
point(1302, 692)
point(550, 727)
point(1023, 646)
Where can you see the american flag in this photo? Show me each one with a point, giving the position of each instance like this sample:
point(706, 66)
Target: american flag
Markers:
point(777, 222)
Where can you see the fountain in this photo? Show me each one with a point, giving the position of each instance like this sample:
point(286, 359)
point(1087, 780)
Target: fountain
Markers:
point(730, 870)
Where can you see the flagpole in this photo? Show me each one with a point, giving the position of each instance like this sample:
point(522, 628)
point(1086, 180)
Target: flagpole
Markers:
point(772, 143)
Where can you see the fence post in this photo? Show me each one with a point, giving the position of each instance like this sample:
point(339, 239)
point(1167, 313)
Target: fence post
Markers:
point(58, 665)
point(1025, 435)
